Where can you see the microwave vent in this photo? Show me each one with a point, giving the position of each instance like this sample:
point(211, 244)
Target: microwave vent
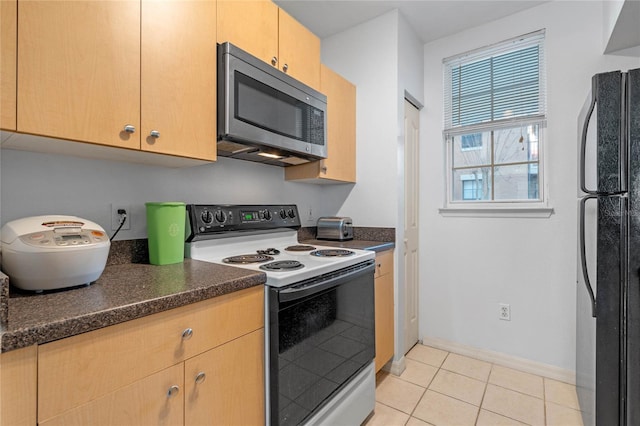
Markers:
point(234, 148)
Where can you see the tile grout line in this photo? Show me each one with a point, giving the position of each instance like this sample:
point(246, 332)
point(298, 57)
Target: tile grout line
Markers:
point(544, 399)
point(486, 386)
point(427, 388)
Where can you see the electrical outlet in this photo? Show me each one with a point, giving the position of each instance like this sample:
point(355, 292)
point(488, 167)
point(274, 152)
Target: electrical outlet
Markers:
point(115, 217)
point(310, 215)
point(505, 312)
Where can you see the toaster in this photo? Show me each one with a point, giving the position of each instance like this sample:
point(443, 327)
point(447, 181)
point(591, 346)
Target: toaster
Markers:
point(335, 228)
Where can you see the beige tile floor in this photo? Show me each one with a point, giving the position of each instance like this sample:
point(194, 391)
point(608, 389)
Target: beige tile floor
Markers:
point(446, 389)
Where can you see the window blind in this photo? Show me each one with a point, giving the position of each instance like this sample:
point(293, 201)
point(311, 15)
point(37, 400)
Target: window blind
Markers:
point(502, 84)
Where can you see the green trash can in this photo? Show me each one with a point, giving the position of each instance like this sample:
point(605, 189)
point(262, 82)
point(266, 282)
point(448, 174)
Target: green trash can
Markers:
point(165, 230)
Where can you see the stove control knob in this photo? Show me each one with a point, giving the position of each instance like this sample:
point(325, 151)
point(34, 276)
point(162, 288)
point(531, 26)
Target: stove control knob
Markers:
point(291, 213)
point(283, 214)
point(266, 214)
point(221, 217)
point(207, 217)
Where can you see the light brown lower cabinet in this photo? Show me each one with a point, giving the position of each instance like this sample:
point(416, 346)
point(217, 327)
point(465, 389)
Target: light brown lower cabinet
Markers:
point(225, 385)
point(200, 364)
point(385, 324)
point(154, 400)
point(18, 387)
point(222, 386)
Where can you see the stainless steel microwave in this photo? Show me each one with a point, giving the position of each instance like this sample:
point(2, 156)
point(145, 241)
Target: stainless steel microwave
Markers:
point(266, 116)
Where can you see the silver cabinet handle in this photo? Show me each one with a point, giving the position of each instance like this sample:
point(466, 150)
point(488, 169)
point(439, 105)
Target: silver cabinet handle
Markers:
point(129, 128)
point(201, 377)
point(274, 61)
point(173, 390)
point(187, 333)
point(285, 67)
point(155, 134)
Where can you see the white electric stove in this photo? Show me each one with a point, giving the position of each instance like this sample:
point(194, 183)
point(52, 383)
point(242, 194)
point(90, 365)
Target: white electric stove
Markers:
point(279, 255)
point(319, 311)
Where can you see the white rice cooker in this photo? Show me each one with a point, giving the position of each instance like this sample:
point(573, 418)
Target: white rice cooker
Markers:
point(51, 252)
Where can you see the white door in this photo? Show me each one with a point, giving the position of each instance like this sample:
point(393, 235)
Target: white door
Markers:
point(411, 184)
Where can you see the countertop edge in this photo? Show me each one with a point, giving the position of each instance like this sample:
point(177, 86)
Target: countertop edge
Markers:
point(67, 327)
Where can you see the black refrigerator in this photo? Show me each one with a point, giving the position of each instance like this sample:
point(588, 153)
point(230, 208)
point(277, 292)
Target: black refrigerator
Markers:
point(608, 276)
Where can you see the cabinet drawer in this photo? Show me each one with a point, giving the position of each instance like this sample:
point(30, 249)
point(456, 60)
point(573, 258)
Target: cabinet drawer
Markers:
point(384, 263)
point(146, 402)
point(82, 368)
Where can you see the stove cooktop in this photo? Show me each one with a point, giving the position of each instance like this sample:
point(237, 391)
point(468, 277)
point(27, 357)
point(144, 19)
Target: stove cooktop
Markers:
point(287, 267)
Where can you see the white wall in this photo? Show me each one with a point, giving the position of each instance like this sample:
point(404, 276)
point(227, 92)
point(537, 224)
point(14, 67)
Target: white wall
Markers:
point(469, 265)
point(34, 184)
point(367, 55)
point(383, 58)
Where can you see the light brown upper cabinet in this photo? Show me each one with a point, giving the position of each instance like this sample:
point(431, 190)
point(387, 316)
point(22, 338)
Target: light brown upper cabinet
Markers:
point(340, 164)
point(269, 33)
point(250, 25)
point(88, 71)
point(8, 45)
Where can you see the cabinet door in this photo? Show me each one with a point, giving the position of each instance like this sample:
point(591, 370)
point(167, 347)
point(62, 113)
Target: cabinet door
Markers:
point(79, 70)
point(299, 51)
point(250, 25)
point(384, 320)
point(8, 45)
point(155, 400)
point(225, 386)
point(340, 164)
point(178, 86)
point(18, 387)
point(84, 367)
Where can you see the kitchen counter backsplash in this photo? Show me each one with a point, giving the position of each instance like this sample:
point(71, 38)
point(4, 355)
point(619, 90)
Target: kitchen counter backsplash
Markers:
point(4, 298)
point(128, 251)
point(359, 233)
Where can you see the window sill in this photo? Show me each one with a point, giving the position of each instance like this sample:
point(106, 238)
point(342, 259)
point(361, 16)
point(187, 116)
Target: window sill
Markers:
point(517, 212)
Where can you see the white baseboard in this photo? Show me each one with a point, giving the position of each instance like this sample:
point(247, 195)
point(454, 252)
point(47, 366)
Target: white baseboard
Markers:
point(395, 367)
point(510, 361)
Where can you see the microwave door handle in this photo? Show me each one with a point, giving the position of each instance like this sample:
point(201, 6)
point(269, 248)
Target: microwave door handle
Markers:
point(583, 140)
point(583, 254)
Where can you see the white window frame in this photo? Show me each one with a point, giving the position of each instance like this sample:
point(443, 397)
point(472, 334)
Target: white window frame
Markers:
point(496, 208)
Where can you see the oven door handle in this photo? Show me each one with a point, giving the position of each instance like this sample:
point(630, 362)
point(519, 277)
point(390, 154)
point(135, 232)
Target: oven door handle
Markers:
point(300, 292)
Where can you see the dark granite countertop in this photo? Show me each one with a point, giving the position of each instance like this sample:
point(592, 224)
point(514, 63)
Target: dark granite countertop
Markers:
point(376, 246)
point(123, 292)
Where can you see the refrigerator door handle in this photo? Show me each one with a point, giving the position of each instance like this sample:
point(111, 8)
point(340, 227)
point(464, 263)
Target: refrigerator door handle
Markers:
point(583, 257)
point(583, 141)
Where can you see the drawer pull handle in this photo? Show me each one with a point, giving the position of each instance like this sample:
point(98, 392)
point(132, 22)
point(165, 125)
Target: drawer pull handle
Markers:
point(285, 68)
point(129, 128)
point(274, 61)
point(154, 134)
point(173, 390)
point(201, 377)
point(186, 335)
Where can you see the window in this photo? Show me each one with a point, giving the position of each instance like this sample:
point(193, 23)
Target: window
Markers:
point(494, 120)
point(473, 141)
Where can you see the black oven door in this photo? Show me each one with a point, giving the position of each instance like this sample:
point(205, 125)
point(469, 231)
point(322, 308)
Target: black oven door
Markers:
point(322, 333)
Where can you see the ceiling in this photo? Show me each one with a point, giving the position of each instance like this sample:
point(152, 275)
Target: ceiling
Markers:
point(431, 19)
